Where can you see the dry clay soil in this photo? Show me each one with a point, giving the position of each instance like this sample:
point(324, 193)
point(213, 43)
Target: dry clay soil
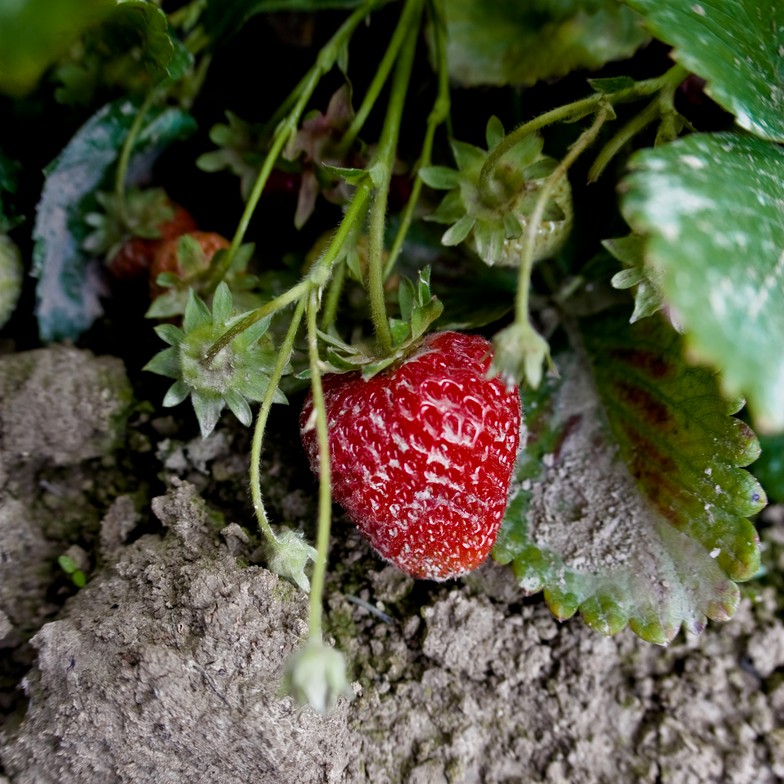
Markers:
point(166, 667)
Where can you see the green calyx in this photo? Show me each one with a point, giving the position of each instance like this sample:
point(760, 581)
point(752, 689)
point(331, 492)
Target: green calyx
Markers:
point(492, 214)
point(139, 214)
point(235, 375)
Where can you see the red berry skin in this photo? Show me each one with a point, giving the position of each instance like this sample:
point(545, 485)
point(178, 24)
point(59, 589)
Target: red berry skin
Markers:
point(422, 454)
point(134, 257)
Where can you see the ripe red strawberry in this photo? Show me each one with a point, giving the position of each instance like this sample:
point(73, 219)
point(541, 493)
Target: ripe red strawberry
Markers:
point(422, 454)
point(134, 257)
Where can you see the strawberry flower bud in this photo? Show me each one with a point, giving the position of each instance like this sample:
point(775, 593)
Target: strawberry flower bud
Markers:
point(519, 352)
point(288, 555)
point(316, 675)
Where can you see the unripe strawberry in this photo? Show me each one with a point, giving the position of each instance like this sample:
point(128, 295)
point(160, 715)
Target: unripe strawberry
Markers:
point(422, 454)
point(185, 256)
point(135, 256)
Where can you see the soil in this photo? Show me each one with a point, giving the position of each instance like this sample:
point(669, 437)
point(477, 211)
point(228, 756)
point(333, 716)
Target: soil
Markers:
point(166, 667)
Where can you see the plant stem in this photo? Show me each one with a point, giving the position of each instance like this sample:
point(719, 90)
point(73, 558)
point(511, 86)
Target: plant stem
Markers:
point(287, 127)
point(438, 114)
point(325, 476)
point(526, 263)
point(333, 296)
point(318, 277)
point(662, 103)
point(637, 123)
point(127, 149)
point(402, 30)
point(381, 173)
point(273, 306)
point(284, 355)
point(575, 111)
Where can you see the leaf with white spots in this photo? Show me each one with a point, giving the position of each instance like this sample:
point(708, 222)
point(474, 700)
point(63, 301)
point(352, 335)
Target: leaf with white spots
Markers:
point(737, 46)
point(69, 288)
point(711, 208)
point(629, 504)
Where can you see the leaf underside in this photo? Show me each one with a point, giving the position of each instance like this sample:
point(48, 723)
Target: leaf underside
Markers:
point(710, 206)
point(507, 42)
point(629, 504)
point(736, 46)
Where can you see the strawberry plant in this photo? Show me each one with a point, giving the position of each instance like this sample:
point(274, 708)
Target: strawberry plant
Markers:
point(551, 344)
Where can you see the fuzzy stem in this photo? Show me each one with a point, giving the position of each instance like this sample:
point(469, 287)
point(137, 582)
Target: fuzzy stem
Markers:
point(572, 112)
point(526, 263)
point(287, 127)
point(438, 114)
point(273, 306)
point(662, 103)
point(284, 355)
point(333, 296)
point(318, 277)
point(403, 29)
point(126, 151)
point(381, 173)
point(637, 123)
point(325, 475)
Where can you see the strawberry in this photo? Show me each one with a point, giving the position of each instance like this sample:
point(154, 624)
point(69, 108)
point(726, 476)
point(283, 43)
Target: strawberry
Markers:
point(133, 258)
point(422, 454)
point(186, 256)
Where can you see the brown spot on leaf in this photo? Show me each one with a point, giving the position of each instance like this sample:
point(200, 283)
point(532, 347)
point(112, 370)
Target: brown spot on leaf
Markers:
point(651, 410)
point(652, 364)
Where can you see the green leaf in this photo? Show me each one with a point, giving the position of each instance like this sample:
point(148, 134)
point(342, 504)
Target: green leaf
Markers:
point(440, 177)
point(456, 233)
point(139, 25)
point(69, 287)
point(612, 84)
point(710, 206)
point(630, 251)
point(507, 42)
point(34, 33)
point(736, 46)
point(629, 504)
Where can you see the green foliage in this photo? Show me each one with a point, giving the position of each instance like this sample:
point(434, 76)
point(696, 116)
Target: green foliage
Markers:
point(34, 33)
point(236, 373)
point(630, 505)
point(710, 208)
point(736, 46)
point(71, 568)
point(492, 215)
point(68, 290)
point(512, 43)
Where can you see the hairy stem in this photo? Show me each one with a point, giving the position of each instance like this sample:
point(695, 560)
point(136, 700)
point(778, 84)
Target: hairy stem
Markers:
point(402, 31)
point(284, 356)
point(326, 59)
point(381, 173)
point(325, 475)
point(127, 149)
point(574, 111)
point(526, 263)
point(438, 114)
point(662, 103)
